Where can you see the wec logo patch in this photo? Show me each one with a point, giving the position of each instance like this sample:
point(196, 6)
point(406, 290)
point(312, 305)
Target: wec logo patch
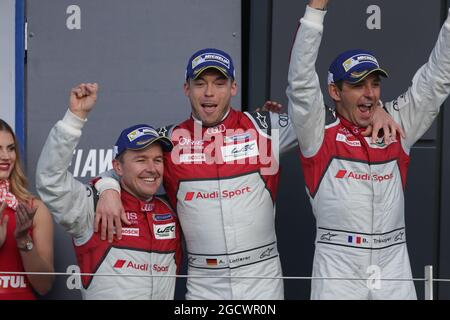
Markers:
point(164, 231)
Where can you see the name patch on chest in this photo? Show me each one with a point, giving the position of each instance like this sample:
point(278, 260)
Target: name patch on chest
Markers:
point(240, 151)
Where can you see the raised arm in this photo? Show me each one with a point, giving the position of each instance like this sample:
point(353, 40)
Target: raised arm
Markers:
point(418, 107)
point(70, 202)
point(306, 103)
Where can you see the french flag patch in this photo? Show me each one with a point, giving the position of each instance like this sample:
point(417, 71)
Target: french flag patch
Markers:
point(354, 239)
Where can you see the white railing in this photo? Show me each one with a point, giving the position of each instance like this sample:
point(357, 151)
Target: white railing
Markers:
point(428, 280)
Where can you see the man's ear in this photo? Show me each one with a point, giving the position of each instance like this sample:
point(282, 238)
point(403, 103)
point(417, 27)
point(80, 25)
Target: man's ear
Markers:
point(334, 92)
point(186, 88)
point(117, 166)
point(234, 88)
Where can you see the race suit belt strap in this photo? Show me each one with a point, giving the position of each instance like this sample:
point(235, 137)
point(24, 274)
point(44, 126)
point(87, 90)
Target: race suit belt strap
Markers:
point(374, 241)
point(233, 260)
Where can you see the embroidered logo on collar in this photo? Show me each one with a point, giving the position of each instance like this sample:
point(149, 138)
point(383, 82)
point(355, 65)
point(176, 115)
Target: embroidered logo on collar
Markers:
point(262, 120)
point(147, 207)
point(217, 129)
point(162, 131)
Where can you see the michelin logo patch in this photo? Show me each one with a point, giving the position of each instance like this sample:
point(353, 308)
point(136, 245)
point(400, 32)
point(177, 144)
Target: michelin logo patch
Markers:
point(162, 217)
point(358, 59)
point(139, 132)
point(236, 138)
point(205, 57)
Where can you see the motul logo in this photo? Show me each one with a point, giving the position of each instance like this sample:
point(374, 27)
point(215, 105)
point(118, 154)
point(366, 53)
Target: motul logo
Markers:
point(226, 194)
point(363, 176)
point(12, 282)
point(133, 265)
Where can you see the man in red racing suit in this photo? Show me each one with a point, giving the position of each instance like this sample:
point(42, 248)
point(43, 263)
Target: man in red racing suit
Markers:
point(150, 245)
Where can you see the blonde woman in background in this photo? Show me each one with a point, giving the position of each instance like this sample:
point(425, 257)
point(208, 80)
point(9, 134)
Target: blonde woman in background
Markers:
point(26, 228)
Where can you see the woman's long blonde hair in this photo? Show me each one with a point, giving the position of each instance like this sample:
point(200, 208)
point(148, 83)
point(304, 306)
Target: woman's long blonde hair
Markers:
point(18, 181)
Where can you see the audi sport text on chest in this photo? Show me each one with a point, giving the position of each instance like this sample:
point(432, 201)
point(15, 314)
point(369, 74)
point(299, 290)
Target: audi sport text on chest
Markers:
point(225, 194)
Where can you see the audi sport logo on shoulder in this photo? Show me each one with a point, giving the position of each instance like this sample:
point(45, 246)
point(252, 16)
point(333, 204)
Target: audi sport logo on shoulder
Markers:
point(345, 174)
point(225, 194)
